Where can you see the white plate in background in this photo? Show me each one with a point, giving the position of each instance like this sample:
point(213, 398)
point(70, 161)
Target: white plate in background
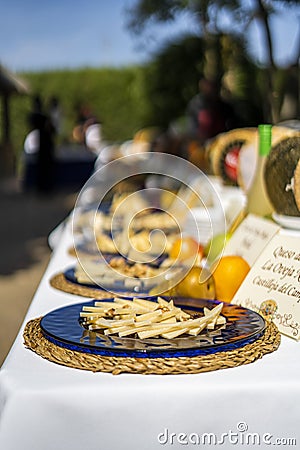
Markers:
point(291, 222)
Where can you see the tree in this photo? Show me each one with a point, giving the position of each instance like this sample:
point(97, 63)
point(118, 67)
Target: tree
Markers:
point(208, 15)
point(172, 79)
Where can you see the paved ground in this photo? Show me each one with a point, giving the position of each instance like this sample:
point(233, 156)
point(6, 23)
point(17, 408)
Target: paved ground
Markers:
point(26, 220)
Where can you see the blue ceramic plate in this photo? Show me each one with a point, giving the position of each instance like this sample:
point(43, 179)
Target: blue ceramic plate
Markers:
point(90, 248)
point(116, 287)
point(64, 327)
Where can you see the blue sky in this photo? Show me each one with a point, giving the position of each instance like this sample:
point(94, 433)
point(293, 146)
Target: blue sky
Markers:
point(38, 35)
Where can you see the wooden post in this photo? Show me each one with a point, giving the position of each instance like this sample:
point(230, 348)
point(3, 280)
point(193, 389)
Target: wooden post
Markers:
point(7, 160)
point(6, 122)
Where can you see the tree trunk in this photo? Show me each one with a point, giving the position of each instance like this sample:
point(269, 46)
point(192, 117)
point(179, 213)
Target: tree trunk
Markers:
point(7, 159)
point(272, 98)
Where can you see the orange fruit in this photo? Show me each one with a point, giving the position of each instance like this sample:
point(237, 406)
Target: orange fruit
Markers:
point(186, 247)
point(229, 273)
point(198, 283)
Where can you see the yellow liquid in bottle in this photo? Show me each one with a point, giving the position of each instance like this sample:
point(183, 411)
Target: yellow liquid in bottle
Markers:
point(257, 198)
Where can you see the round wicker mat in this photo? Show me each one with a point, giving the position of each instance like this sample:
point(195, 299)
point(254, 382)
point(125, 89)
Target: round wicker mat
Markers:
point(35, 341)
point(72, 252)
point(60, 282)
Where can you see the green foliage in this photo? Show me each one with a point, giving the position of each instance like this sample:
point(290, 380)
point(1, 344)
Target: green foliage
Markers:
point(157, 10)
point(242, 80)
point(207, 15)
point(172, 79)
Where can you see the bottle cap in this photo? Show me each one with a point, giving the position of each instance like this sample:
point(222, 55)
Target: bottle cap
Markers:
point(265, 139)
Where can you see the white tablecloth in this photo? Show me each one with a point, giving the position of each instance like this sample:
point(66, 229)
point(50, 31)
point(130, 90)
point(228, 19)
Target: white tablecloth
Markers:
point(45, 406)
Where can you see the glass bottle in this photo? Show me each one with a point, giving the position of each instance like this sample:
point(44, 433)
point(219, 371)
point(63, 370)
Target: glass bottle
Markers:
point(257, 198)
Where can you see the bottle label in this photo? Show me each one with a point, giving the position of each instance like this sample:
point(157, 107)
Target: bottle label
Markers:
point(231, 163)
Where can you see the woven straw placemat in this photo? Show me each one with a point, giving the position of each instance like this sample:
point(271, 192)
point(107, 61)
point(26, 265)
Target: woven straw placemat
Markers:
point(60, 282)
point(72, 252)
point(35, 341)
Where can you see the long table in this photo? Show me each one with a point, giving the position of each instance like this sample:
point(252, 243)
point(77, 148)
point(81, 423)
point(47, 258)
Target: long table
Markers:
point(47, 406)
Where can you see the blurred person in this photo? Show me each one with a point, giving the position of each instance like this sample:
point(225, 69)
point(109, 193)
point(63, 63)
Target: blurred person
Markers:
point(87, 130)
point(208, 114)
point(170, 141)
point(40, 122)
point(55, 114)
